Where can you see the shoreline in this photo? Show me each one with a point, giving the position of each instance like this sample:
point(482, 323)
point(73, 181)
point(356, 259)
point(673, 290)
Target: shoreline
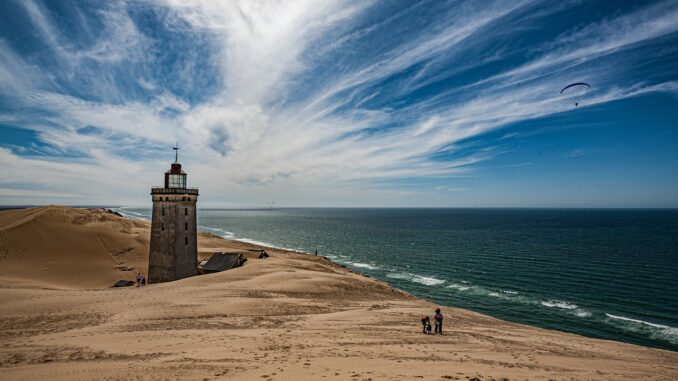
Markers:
point(244, 240)
point(291, 315)
point(259, 245)
point(651, 334)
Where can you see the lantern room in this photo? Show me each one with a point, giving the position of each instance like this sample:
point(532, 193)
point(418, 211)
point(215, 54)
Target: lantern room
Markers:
point(175, 177)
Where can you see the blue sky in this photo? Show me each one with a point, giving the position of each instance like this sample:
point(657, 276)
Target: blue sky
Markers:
point(335, 103)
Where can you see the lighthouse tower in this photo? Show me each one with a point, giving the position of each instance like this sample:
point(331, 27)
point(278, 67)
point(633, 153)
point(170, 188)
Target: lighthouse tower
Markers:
point(174, 246)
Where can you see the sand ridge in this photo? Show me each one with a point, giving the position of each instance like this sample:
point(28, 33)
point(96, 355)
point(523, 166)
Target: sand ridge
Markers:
point(288, 317)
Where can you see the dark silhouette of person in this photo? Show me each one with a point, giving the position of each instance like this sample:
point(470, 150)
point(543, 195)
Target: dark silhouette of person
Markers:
point(426, 324)
point(439, 321)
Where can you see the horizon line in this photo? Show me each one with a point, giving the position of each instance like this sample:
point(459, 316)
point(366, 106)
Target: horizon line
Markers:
point(105, 206)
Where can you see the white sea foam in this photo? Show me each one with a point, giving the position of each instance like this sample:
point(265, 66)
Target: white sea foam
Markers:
point(429, 281)
point(260, 243)
point(653, 330)
point(582, 313)
point(559, 304)
point(398, 276)
point(220, 232)
point(458, 287)
point(637, 321)
point(363, 265)
point(501, 293)
point(130, 214)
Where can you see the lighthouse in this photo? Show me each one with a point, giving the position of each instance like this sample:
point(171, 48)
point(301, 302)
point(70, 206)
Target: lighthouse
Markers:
point(174, 245)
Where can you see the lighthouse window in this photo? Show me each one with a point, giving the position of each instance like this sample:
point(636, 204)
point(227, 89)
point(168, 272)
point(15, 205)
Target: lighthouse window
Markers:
point(186, 241)
point(183, 199)
point(185, 225)
point(163, 210)
point(185, 211)
point(162, 227)
point(177, 181)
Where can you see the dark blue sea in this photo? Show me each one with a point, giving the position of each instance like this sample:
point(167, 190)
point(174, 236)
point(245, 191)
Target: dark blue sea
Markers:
point(610, 274)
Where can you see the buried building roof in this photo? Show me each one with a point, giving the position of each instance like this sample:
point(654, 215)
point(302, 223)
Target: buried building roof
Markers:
point(223, 261)
point(123, 283)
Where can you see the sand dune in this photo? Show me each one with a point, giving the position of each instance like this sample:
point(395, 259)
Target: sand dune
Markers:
point(288, 317)
point(63, 247)
point(77, 248)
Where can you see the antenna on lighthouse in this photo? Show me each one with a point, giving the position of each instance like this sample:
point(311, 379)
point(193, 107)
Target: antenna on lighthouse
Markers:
point(176, 152)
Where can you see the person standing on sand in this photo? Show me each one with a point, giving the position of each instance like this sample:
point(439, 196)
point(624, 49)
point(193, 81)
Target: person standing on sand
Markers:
point(138, 279)
point(439, 321)
point(426, 323)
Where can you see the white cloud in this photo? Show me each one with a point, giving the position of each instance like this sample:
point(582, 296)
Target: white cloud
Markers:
point(119, 38)
point(257, 138)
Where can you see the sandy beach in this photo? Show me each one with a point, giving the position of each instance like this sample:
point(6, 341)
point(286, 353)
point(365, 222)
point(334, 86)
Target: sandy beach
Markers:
point(287, 317)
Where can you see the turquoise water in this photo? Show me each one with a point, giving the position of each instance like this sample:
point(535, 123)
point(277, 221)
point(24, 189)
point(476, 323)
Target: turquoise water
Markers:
point(610, 274)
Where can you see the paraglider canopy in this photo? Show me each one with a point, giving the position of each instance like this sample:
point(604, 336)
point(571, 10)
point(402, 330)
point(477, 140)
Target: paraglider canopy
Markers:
point(575, 84)
point(580, 86)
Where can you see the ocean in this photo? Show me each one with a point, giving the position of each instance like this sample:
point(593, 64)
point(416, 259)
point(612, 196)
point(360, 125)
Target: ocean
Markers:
point(609, 274)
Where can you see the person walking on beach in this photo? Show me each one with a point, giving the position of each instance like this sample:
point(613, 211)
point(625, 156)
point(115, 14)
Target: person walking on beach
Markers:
point(439, 321)
point(138, 279)
point(426, 324)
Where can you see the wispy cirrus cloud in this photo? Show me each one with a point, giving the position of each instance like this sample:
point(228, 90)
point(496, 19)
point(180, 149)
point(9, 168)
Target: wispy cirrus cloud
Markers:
point(299, 100)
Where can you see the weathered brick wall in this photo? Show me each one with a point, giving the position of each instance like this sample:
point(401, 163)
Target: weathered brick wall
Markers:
point(174, 250)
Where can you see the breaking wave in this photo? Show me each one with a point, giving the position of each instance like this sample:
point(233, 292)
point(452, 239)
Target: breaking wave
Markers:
point(428, 281)
point(653, 330)
point(130, 214)
point(362, 265)
point(458, 287)
point(220, 232)
point(558, 304)
point(582, 313)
